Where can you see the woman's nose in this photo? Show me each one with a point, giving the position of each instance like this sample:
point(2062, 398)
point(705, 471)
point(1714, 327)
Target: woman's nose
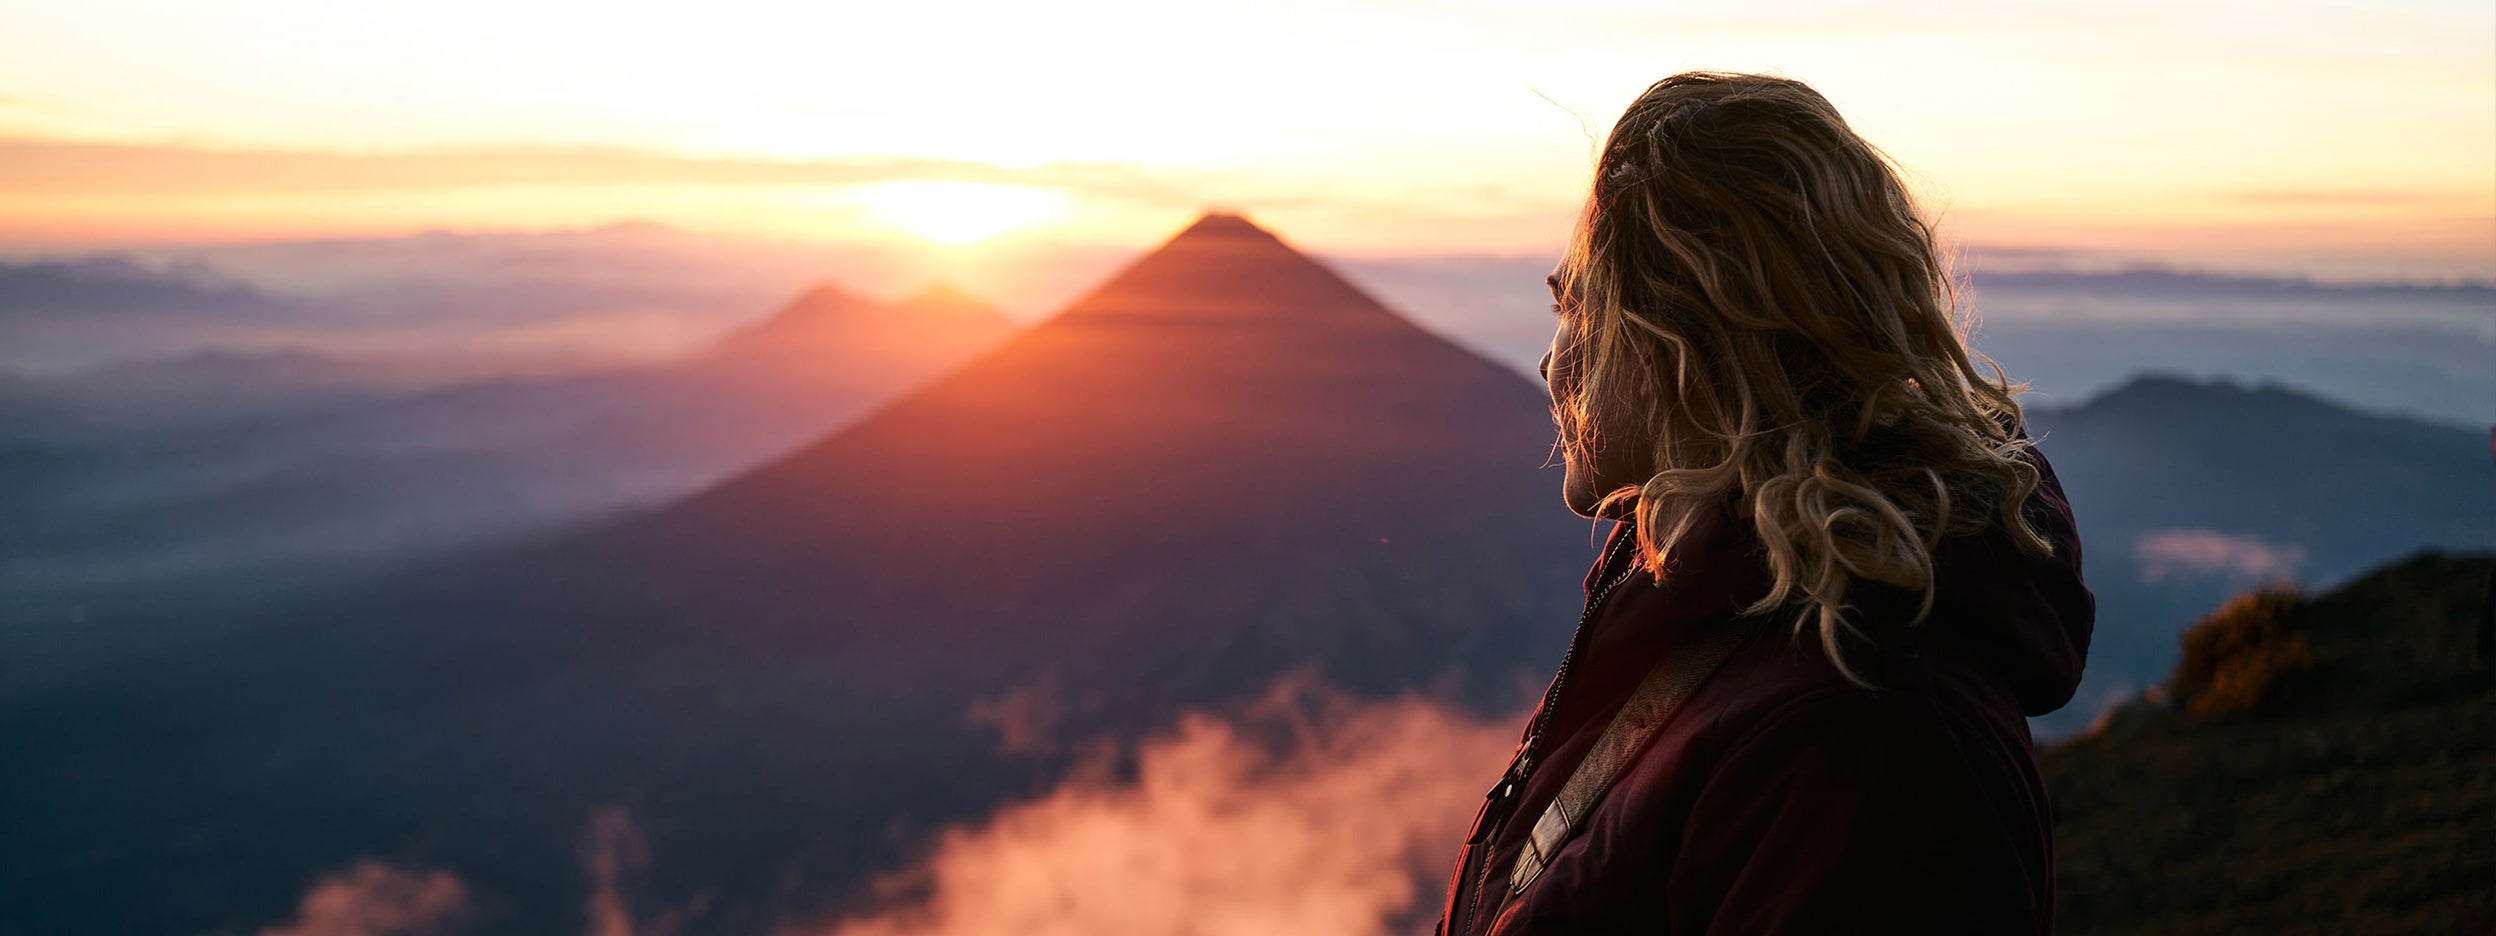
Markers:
point(1543, 366)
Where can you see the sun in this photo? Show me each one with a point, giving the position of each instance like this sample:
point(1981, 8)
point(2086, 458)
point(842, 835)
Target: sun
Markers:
point(960, 212)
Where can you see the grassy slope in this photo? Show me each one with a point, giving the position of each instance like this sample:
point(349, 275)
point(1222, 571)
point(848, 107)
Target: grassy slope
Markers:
point(2361, 798)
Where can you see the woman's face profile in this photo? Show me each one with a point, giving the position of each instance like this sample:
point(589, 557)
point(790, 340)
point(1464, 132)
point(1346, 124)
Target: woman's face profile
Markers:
point(1583, 484)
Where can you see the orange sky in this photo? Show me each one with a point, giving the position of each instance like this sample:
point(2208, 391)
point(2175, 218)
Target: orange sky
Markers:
point(2336, 139)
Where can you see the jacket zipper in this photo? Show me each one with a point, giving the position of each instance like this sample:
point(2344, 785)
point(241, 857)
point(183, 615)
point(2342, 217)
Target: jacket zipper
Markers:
point(1522, 767)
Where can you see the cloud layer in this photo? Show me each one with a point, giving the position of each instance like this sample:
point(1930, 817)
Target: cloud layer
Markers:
point(1309, 812)
point(1306, 811)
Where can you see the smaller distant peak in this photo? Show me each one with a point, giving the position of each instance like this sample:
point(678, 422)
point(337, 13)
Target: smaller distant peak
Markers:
point(942, 293)
point(822, 291)
point(2164, 386)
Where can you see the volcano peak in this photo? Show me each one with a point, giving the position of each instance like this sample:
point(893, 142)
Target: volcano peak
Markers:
point(1225, 267)
point(1220, 223)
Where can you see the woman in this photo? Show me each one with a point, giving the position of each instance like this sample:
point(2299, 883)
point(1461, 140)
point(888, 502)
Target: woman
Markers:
point(1831, 523)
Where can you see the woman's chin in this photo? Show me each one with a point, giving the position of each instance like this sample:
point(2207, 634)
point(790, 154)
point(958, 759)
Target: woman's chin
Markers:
point(1582, 499)
point(1587, 501)
point(1580, 506)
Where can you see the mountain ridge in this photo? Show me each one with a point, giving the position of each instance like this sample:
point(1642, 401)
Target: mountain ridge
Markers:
point(2186, 491)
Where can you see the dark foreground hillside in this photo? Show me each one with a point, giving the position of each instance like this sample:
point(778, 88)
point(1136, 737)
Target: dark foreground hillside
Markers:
point(2355, 793)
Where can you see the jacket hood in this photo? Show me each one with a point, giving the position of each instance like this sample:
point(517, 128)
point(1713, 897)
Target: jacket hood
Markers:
point(2023, 617)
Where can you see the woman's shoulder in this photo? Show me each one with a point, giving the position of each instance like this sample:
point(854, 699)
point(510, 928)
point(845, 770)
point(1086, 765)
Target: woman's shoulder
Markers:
point(1782, 693)
point(1780, 676)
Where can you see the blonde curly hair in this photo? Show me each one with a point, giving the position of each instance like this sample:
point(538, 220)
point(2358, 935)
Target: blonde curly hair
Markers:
point(1760, 316)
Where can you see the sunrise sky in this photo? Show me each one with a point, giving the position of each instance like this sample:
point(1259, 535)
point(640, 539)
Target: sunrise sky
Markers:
point(2337, 139)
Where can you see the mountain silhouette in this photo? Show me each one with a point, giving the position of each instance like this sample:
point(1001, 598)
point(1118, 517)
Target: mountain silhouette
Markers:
point(1223, 467)
point(340, 476)
point(1225, 407)
point(826, 357)
point(827, 331)
point(2189, 491)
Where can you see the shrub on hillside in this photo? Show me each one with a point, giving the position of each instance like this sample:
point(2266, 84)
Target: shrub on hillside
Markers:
point(2236, 656)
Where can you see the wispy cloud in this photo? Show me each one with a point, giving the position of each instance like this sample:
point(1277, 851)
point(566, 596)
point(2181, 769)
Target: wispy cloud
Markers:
point(31, 166)
point(2388, 198)
point(1309, 812)
point(612, 852)
point(373, 898)
point(1025, 718)
point(376, 898)
point(614, 856)
point(2200, 552)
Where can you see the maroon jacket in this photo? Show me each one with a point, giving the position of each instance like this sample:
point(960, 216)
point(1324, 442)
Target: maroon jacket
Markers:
point(1782, 799)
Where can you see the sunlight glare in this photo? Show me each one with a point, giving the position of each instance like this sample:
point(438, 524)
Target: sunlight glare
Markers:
point(960, 212)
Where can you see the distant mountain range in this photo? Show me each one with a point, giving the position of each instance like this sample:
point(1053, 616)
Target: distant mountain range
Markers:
point(646, 289)
point(632, 290)
point(119, 286)
point(64, 314)
point(2175, 283)
point(264, 468)
point(2393, 348)
point(629, 289)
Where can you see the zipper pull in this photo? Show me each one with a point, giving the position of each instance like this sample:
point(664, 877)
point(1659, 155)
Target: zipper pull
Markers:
point(1496, 807)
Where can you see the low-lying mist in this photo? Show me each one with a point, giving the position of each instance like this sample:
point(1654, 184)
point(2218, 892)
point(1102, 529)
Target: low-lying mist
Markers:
point(1306, 811)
